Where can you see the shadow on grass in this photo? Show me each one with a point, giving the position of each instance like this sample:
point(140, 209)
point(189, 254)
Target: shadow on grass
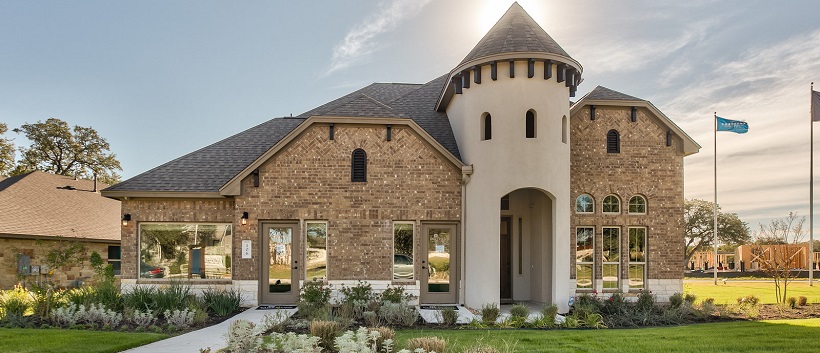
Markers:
point(72, 341)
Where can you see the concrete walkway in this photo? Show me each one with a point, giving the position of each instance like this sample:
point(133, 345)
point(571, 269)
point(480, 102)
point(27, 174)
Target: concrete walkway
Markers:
point(211, 336)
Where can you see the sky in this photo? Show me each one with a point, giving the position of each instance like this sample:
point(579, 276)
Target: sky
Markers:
point(159, 79)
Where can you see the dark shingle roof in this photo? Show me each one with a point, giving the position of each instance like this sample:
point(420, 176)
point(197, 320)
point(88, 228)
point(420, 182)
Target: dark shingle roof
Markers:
point(44, 204)
point(603, 93)
point(209, 168)
point(516, 31)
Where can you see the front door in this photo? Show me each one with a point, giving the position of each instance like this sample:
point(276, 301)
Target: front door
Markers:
point(505, 249)
point(439, 264)
point(280, 263)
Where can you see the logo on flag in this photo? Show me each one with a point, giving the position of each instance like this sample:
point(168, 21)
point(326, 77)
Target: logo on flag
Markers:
point(740, 127)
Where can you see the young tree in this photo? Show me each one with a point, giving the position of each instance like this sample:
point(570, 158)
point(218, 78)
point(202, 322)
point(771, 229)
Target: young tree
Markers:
point(58, 149)
point(699, 222)
point(778, 258)
point(6, 152)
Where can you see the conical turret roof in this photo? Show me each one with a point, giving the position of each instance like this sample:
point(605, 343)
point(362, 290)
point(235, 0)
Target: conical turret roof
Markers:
point(516, 31)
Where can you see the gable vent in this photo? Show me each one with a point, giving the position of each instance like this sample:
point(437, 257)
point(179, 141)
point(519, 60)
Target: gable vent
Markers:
point(358, 168)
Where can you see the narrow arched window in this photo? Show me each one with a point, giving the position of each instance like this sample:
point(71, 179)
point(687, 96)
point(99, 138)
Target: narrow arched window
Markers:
point(612, 204)
point(637, 205)
point(613, 142)
point(358, 166)
point(530, 122)
point(564, 131)
point(486, 127)
point(584, 204)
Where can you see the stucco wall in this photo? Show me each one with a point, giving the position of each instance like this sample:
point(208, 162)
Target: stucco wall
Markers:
point(645, 166)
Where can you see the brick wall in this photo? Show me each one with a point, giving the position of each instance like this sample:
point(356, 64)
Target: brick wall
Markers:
point(645, 166)
point(407, 180)
point(160, 210)
point(37, 250)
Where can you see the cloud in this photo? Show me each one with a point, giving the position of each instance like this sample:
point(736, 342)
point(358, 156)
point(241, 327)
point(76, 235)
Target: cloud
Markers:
point(360, 42)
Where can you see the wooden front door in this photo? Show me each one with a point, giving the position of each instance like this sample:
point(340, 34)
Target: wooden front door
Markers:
point(280, 263)
point(439, 264)
point(505, 249)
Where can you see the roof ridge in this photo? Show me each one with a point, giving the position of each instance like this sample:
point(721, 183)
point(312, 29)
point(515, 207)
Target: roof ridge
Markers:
point(374, 100)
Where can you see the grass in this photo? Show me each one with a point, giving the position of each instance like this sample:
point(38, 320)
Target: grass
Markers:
point(784, 336)
point(729, 292)
point(71, 341)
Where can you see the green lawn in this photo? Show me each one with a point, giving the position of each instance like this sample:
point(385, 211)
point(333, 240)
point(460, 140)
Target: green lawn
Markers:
point(783, 336)
point(71, 341)
point(729, 292)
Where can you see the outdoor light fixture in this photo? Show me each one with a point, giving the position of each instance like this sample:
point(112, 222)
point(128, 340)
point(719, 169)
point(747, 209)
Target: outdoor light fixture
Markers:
point(244, 218)
point(125, 219)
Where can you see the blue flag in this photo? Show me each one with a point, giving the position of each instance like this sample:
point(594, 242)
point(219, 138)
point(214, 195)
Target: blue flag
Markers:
point(740, 127)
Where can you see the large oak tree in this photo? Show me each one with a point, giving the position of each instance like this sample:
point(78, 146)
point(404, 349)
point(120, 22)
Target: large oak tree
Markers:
point(6, 152)
point(699, 222)
point(58, 149)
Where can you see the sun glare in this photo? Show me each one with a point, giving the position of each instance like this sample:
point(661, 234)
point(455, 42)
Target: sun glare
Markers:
point(489, 11)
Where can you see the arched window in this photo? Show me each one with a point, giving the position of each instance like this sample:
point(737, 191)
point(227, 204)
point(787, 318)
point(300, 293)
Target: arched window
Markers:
point(358, 166)
point(612, 204)
point(564, 131)
point(637, 205)
point(613, 142)
point(530, 122)
point(584, 204)
point(486, 127)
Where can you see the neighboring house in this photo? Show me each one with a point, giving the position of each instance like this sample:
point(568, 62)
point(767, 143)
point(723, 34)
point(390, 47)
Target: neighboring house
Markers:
point(479, 186)
point(42, 211)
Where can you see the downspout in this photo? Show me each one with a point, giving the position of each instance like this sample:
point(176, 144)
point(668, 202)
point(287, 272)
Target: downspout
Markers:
point(466, 172)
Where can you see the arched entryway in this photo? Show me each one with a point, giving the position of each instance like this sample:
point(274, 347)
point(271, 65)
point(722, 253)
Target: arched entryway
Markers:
point(526, 246)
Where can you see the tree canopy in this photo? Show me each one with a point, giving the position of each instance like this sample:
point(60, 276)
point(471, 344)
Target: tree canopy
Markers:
point(6, 152)
point(699, 222)
point(59, 149)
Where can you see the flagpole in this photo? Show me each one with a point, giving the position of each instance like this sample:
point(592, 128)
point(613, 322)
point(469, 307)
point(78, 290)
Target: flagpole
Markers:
point(811, 189)
point(715, 229)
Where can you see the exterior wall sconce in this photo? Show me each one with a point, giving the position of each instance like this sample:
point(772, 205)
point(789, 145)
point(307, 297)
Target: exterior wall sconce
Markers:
point(244, 218)
point(125, 219)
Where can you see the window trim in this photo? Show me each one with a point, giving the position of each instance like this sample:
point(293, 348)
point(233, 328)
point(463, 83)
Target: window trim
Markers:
point(629, 205)
point(617, 263)
point(393, 253)
point(307, 245)
point(165, 279)
point(585, 263)
point(603, 204)
point(629, 257)
point(591, 203)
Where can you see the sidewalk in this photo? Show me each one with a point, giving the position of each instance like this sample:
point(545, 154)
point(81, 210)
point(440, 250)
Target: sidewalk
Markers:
point(211, 336)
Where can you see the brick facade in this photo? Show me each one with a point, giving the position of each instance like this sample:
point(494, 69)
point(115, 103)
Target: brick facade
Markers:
point(37, 250)
point(645, 166)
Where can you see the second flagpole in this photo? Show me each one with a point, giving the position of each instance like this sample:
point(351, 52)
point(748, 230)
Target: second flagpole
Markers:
point(715, 229)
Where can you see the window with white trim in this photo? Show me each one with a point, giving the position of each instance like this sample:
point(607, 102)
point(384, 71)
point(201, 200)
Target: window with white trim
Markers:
point(637, 257)
point(584, 257)
point(584, 204)
point(611, 204)
point(403, 260)
point(611, 257)
point(316, 250)
point(637, 205)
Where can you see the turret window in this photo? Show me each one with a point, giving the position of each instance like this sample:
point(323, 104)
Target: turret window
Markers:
point(486, 127)
point(613, 142)
point(530, 124)
point(358, 168)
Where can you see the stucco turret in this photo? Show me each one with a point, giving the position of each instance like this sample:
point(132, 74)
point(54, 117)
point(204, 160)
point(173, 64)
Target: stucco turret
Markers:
point(508, 104)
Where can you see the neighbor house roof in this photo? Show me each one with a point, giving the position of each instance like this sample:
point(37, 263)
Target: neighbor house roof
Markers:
point(40, 204)
point(608, 97)
point(208, 169)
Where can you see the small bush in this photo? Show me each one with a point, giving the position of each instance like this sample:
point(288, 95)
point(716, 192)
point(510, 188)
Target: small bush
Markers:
point(593, 320)
point(428, 344)
point(140, 298)
point(172, 297)
point(396, 294)
point(315, 293)
point(615, 304)
point(80, 295)
point(750, 300)
point(587, 303)
point(274, 322)
point(646, 301)
point(242, 337)
point(370, 318)
point(98, 315)
point(676, 300)
point(180, 319)
point(326, 331)
point(519, 311)
point(490, 313)
point(222, 302)
point(14, 304)
point(385, 333)
point(362, 292)
point(142, 319)
point(801, 300)
point(398, 314)
point(449, 316)
point(291, 342)
point(108, 294)
point(690, 298)
point(548, 314)
point(66, 316)
point(792, 302)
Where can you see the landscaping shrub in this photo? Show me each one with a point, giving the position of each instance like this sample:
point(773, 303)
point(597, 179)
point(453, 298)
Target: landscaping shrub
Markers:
point(14, 304)
point(222, 302)
point(384, 334)
point(326, 331)
point(398, 314)
point(180, 319)
point(449, 316)
point(291, 342)
point(172, 297)
point(548, 314)
point(108, 294)
point(314, 300)
point(428, 344)
point(592, 320)
point(690, 298)
point(242, 337)
point(141, 319)
point(362, 292)
point(362, 341)
point(140, 298)
point(646, 301)
point(792, 302)
point(80, 295)
point(396, 294)
point(371, 318)
point(66, 316)
point(44, 299)
point(587, 303)
point(801, 300)
point(490, 313)
point(676, 300)
point(274, 322)
point(615, 304)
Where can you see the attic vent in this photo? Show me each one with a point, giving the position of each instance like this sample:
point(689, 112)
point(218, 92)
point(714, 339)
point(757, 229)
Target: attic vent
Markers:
point(358, 166)
point(613, 142)
point(67, 187)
